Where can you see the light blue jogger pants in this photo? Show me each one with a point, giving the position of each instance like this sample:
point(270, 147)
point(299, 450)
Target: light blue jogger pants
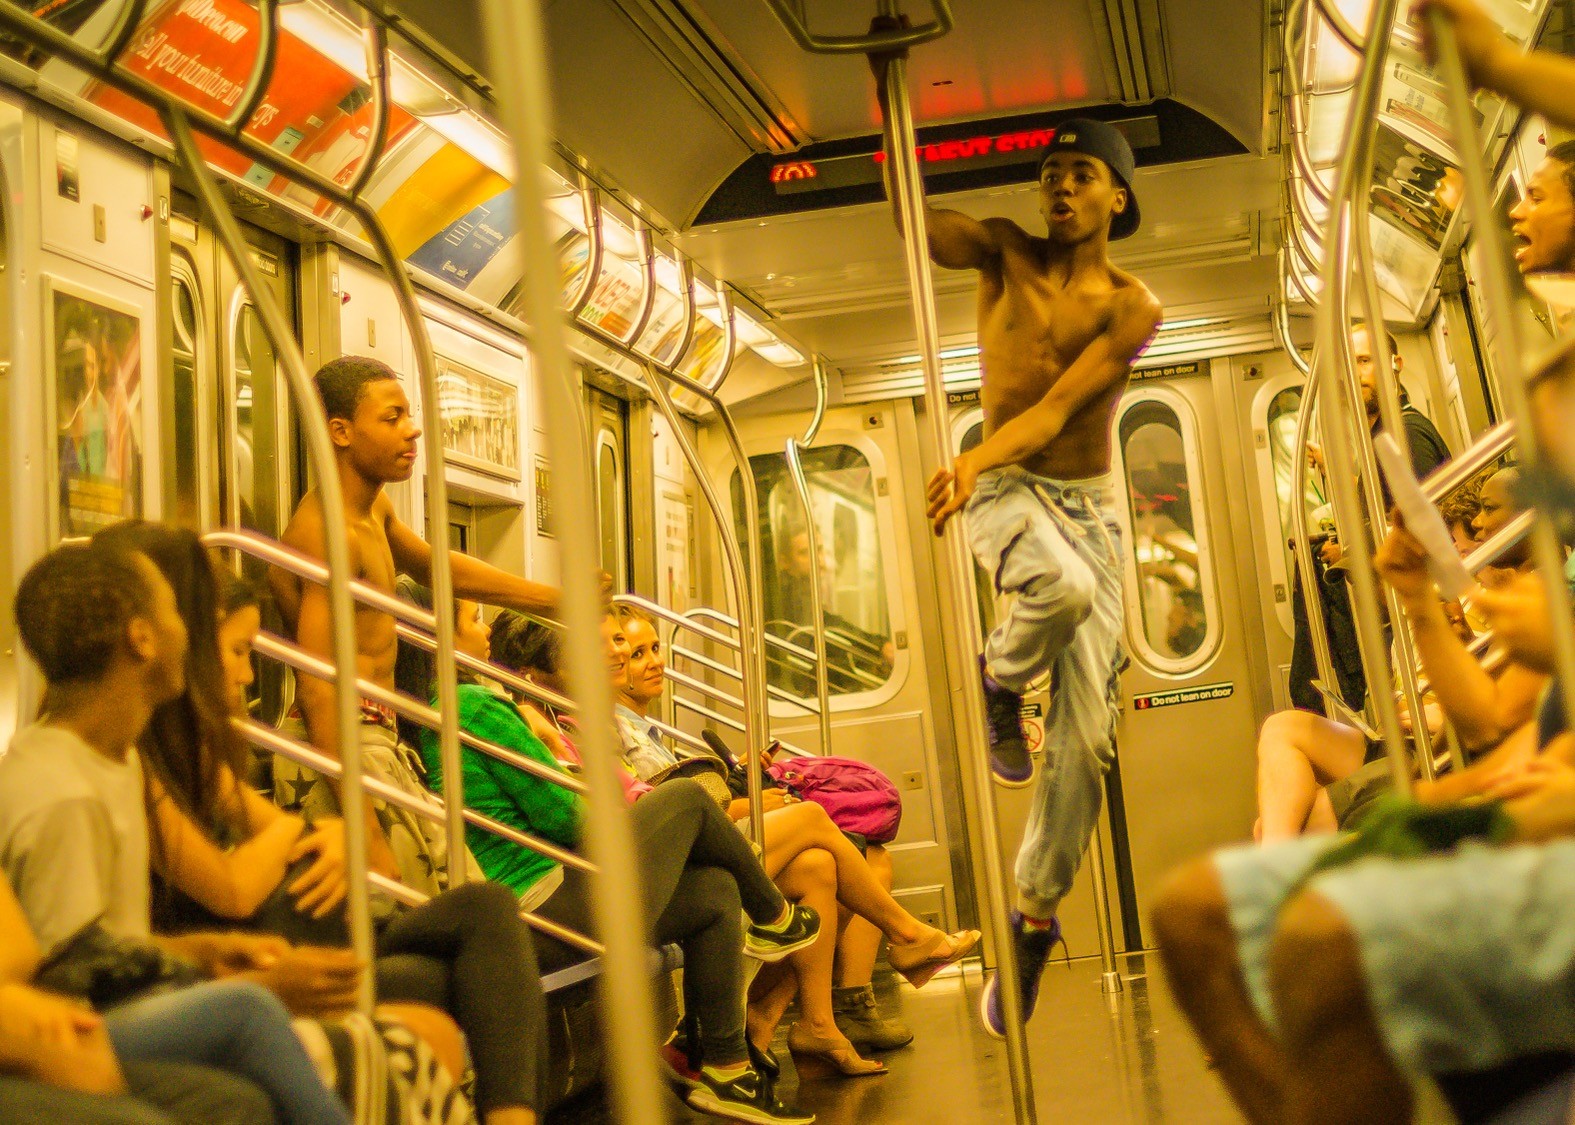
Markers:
point(1053, 549)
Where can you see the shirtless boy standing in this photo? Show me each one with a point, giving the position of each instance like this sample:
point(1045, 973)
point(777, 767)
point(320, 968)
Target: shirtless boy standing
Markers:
point(1059, 329)
point(374, 444)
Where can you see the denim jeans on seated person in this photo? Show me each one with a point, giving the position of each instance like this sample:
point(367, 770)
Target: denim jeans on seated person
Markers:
point(236, 1026)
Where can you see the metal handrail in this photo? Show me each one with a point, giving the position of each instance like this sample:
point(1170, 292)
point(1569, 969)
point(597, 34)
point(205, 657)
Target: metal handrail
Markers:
point(515, 41)
point(706, 613)
point(277, 648)
point(756, 709)
point(1330, 12)
point(1488, 552)
point(956, 564)
point(1493, 444)
point(895, 39)
point(1498, 290)
point(320, 451)
point(267, 738)
point(795, 465)
point(1301, 541)
point(261, 75)
point(1336, 370)
point(1390, 415)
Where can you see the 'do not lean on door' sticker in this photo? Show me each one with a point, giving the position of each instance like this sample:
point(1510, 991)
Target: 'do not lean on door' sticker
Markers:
point(1200, 694)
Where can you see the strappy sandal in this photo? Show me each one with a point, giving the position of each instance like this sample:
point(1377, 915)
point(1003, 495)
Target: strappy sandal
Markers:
point(919, 962)
point(816, 1057)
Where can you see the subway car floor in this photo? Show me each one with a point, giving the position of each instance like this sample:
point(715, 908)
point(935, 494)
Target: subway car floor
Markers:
point(1125, 1059)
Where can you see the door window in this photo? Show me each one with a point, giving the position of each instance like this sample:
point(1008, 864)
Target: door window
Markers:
point(609, 503)
point(850, 570)
point(188, 471)
point(255, 439)
point(1173, 619)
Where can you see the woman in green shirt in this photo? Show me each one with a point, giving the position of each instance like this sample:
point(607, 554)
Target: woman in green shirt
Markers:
point(700, 877)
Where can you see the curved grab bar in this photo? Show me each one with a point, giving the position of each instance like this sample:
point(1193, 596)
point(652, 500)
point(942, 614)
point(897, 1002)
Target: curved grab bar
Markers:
point(756, 711)
point(1337, 375)
point(336, 536)
point(1301, 541)
point(1329, 12)
point(896, 39)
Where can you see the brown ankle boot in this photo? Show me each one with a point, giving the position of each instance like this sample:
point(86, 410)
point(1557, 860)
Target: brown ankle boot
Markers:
point(859, 1018)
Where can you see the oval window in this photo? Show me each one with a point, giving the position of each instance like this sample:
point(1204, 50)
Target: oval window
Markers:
point(1172, 619)
point(850, 571)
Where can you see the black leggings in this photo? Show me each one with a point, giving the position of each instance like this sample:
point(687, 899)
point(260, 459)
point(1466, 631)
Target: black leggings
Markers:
point(467, 952)
point(698, 873)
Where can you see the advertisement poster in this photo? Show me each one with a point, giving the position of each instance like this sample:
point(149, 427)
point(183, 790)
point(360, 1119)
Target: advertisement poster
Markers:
point(481, 419)
point(94, 358)
point(466, 246)
point(203, 51)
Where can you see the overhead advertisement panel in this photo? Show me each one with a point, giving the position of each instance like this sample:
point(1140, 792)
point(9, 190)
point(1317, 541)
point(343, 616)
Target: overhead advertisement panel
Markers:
point(203, 51)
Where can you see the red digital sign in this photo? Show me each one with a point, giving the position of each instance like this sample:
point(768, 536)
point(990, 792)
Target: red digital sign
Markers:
point(969, 147)
point(990, 150)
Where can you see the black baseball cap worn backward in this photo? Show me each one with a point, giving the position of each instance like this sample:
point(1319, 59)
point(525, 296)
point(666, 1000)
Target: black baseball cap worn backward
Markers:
point(1104, 141)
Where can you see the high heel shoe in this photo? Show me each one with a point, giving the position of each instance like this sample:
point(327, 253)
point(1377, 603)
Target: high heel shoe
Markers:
point(919, 961)
point(816, 1057)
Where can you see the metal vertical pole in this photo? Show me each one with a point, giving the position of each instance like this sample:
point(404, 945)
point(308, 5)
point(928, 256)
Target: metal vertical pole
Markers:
point(1301, 544)
point(1498, 290)
point(519, 63)
point(751, 645)
point(1109, 977)
point(1334, 356)
point(336, 536)
point(959, 566)
point(817, 612)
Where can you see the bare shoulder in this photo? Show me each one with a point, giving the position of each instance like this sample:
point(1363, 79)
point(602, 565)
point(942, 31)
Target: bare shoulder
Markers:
point(1011, 238)
point(1133, 305)
point(305, 530)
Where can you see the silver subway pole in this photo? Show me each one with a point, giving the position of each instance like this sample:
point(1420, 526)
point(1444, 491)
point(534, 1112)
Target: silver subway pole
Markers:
point(957, 574)
point(519, 64)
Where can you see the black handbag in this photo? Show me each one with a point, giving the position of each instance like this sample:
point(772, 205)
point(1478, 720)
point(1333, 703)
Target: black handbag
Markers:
point(107, 970)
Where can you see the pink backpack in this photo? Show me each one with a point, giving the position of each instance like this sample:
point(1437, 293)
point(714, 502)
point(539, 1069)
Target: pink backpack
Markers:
point(857, 796)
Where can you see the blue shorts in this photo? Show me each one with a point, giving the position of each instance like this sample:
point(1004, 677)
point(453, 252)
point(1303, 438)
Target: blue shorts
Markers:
point(1469, 957)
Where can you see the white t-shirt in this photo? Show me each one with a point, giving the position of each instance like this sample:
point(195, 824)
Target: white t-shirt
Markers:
point(73, 835)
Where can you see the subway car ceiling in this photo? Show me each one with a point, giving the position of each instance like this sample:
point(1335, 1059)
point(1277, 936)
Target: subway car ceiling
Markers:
point(673, 102)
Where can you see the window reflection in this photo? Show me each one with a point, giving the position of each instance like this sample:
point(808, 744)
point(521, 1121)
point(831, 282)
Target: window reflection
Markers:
point(849, 570)
point(1283, 454)
point(1170, 582)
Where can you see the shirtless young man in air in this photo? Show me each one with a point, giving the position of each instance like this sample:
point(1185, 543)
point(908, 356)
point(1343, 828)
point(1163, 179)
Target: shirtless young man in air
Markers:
point(375, 444)
point(1059, 329)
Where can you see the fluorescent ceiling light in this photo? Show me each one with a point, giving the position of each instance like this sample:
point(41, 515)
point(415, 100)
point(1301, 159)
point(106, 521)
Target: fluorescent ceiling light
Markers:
point(668, 275)
point(619, 238)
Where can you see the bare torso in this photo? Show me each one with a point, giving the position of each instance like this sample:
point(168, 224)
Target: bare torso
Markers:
point(373, 563)
point(1034, 322)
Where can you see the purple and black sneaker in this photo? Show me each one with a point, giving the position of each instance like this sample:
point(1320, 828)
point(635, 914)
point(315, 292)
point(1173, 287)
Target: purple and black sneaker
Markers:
point(1033, 950)
point(1009, 760)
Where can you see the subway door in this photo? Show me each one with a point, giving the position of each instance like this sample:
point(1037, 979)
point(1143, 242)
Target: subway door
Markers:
point(1197, 684)
point(860, 497)
point(608, 418)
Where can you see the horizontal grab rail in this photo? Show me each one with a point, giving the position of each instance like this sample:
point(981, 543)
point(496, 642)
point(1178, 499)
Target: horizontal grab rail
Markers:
point(259, 734)
point(732, 673)
point(266, 738)
point(304, 566)
point(1502, 540)
point(283, 651)
point(1481, 453)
